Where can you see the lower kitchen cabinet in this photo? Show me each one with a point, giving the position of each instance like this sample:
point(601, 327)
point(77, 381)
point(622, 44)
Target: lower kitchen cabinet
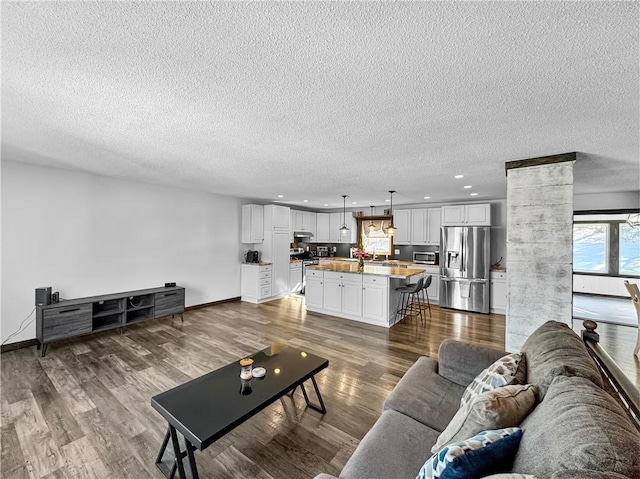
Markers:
point(255, 284)
point(375, 298)
point(295, 277)
point(313, 292)
point(343, 293)
point(498, 293)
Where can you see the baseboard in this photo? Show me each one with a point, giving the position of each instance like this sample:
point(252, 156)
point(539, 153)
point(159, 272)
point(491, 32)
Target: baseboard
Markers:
point(213, 303)
point(34, 342)
point(19, 345)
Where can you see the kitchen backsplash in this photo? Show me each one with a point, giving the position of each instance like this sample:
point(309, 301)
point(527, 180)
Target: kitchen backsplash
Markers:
point(342, 249)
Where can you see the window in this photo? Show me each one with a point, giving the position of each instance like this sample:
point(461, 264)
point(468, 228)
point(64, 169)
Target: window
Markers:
point(590, 252)
point(629, 252)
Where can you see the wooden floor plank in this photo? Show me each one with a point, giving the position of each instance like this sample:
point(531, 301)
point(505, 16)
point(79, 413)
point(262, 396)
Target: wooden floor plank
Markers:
point(84, 410)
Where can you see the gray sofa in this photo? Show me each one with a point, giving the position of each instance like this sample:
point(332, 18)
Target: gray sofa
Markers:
point(577, 429)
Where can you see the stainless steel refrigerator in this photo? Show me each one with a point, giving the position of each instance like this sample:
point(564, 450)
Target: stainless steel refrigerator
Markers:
point(464, 268)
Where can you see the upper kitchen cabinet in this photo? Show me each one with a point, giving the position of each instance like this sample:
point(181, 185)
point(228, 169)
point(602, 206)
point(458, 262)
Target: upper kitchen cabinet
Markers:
point(434, 221)
point(402, 223)
point(322, 228)
point(335, 222)
point(276, 217)
point(467, 215)
point(419, 226)
point(252, 223)
point(309, 223)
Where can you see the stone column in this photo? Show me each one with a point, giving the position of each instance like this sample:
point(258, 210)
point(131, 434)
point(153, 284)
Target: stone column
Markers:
point(539, 244)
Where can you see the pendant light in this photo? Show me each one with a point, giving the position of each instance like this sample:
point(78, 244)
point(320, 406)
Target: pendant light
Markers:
point(391, 229)
point(344, 229)
point(372, 225)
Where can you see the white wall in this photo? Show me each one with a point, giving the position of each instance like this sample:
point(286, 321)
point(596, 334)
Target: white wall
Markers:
point(607, 201)
point(86, 235)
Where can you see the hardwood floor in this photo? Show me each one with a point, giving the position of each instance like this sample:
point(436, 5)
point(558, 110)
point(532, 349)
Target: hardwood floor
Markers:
point(83, 411)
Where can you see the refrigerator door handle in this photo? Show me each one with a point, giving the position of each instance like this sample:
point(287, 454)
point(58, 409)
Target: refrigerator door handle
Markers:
point(478, 280)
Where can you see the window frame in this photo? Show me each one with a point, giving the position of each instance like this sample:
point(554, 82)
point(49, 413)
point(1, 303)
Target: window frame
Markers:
point(613, 246)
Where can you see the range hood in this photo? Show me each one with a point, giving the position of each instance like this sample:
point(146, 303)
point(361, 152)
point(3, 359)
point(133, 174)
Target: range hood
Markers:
point(302, 234)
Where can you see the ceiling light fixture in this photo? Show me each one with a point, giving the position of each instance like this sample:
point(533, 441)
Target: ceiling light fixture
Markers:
point(326, 204)
point(344, 229)
point(372, 225)
point(391, 229)
point(457, 177)
point(473, 194)
point(280, 196)
point(427, 197)
point(305, 201)
point(466, 187)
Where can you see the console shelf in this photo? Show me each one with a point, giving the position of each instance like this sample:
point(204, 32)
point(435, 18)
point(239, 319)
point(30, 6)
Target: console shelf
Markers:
point(77, 317)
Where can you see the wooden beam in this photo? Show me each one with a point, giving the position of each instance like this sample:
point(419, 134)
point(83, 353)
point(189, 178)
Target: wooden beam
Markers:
point(542, 160)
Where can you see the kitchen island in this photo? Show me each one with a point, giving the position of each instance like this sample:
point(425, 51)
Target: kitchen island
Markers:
point(368, 295)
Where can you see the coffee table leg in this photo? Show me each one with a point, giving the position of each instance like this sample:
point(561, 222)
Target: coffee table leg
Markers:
point(192, 460)
point(322, 408)
point(177, 452)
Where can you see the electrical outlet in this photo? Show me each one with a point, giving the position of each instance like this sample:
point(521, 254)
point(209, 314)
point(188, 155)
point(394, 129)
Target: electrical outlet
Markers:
point(397, 251)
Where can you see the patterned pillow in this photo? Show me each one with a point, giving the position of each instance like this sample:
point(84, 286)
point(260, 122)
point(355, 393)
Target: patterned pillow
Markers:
point(500, 373)
point(485, 453)
point(503, 407)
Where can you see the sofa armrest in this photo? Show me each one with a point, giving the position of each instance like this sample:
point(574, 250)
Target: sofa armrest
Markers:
point(462, 362)
point(325, 476)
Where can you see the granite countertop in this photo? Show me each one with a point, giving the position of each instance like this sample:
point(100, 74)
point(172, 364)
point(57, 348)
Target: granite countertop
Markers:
point(389, 262)
point(372, 269)
point(261, 263)
point(295, 261)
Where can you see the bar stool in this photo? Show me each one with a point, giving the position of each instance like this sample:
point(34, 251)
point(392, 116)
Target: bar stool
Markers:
point(409, 295)
point(426, 284)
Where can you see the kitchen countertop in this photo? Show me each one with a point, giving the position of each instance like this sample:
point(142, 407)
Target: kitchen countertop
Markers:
point(261, 263)
point(372, 269)
point(383, 262)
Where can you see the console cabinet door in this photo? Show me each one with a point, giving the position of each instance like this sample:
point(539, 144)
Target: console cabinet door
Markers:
point(169, 302)
point(66, 321)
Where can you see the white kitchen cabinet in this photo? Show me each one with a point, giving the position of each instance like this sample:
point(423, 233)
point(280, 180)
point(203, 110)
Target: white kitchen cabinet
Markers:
point(335, 222)
point(277, 217)
point(402, 222)
point(498, 293)
point(275, 249)
point(419, 226)
point(314, 291)
point(298, 220)
point(343, 293)
point(467, 215)
point(308, 221)
point(332, 294)
point(434, 222)
point(432, 290)
point(375, 298)
point(255, 283)
point(322, 227)
point(252, 223)
point(295, 277)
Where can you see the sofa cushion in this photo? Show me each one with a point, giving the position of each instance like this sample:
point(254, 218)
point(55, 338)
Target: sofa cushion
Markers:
point(425, 396)
point(482, 454)
point(396, 446)
point(503, 407)
point(501, 373)
point(555, 350)
point(578, 426)
point(461, 362)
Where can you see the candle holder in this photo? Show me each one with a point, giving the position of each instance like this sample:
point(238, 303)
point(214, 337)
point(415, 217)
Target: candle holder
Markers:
point(246, 366)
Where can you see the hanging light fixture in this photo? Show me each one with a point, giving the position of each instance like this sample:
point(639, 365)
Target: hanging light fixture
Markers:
point(372, 225)
point(344, 229)
point(634, 220)
point(391, 229)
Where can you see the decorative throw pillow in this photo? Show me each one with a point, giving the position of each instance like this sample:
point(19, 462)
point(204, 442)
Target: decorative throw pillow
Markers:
point(485, 453)
point(503, 407)
point(500, 373)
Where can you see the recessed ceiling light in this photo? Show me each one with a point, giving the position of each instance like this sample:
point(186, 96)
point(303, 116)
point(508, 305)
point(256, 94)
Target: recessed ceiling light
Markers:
point(305, 201)
point(457, 177)
point(326, 204)
point(473, 194)
point(387, 201)
point(427, 197)
point(466, 187)
point(354, 202)
point(280, 196)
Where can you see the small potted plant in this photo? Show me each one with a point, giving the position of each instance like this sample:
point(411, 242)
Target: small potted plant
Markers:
point(361, 255)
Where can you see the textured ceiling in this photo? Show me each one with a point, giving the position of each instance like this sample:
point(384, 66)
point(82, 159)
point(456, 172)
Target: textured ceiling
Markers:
point(313, 100)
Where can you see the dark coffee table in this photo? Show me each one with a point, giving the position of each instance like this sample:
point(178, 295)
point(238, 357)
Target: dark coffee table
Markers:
point(206, 408)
